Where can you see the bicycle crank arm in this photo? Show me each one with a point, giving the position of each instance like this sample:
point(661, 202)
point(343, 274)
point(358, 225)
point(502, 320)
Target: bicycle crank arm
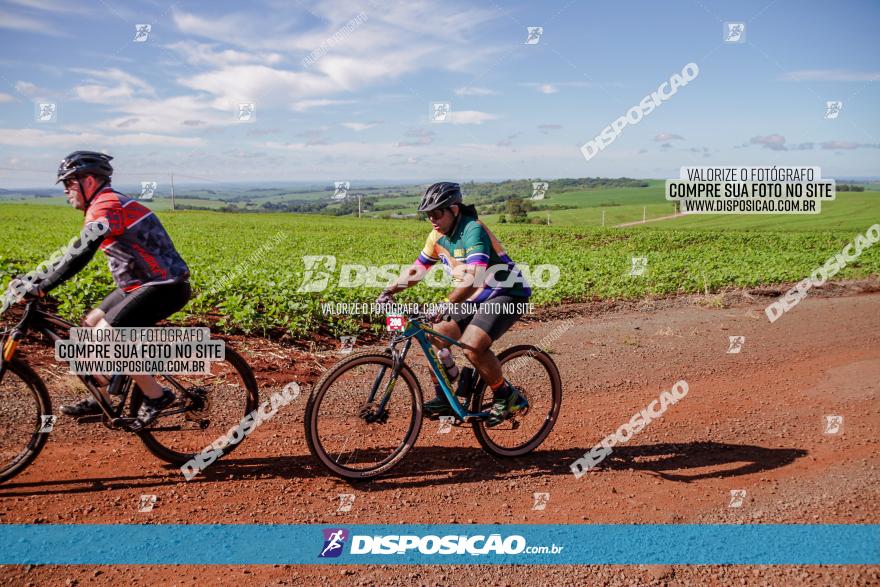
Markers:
point(164, 413)
point(128, 424)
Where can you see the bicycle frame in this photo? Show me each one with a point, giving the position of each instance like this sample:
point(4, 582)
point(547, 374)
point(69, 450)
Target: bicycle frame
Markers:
point(420, 331)
point(35, 318)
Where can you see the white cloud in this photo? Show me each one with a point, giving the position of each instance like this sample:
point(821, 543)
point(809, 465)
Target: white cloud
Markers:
point(420, 138)
point(30, 137)
point(303, 105)
point(474, 91)
point(6, 97)
point(470, 117)
point(169, 115)
point(134, 106)
point(830, 75)
point(848, 145)
point(665, 137)
point(393, 41)
point(395, 161)
point(774, 142)
point(18, 22)
point(230, 28)
point(110, 86)
point(359, 126)
point(553, 87)
point(29, 89)
point(352, 152)
point(205, 54)
point(259, 84)
point(50, 5)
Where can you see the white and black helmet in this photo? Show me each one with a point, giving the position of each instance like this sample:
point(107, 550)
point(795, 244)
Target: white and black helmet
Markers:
point(440, 195)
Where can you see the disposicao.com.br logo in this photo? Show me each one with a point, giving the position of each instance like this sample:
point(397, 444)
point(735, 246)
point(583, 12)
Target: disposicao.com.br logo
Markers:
point(430, 544)
point(334, 542)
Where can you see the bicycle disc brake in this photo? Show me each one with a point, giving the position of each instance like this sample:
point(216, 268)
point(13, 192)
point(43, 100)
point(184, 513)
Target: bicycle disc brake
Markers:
point(369, 413)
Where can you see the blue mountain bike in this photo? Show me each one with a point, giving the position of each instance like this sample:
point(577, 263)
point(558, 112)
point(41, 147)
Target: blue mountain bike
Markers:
point(365, 414)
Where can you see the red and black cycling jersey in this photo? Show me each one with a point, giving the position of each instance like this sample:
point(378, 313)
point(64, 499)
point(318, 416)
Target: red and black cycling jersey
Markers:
point(138, 248)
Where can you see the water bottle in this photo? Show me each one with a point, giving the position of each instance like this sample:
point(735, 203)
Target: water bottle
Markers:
point(448, 363)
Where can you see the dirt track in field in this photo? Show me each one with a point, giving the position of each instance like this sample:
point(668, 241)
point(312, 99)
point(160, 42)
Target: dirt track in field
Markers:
point(751, 421)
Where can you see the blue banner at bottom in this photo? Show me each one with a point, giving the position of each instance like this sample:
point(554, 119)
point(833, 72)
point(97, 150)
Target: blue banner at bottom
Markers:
point(545, 544)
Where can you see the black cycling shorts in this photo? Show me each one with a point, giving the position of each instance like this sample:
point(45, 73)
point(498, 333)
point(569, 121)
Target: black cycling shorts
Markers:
point(146, 305)
point(490, 316)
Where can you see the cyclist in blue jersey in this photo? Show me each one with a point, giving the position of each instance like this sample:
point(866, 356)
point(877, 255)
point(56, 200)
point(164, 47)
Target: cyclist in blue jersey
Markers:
point(471, 253)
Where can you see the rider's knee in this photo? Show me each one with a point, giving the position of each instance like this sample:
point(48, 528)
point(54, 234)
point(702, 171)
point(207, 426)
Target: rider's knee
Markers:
point(449, 329)
point(473, 354)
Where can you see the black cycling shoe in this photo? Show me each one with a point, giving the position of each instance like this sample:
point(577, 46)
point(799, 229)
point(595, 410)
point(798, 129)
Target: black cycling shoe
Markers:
point(150, 407)
point(504, 408)
point(86, 407)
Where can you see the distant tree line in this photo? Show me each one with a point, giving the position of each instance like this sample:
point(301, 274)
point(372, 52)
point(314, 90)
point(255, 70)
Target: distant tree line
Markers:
point(511, 198)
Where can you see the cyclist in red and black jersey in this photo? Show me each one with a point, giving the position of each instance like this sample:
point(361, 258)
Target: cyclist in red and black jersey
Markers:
point(152, 278)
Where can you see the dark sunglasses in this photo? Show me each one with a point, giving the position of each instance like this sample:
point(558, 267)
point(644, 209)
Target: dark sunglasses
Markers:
point(437, 214)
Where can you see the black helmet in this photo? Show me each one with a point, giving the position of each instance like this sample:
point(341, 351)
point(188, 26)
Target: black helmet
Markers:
point(440, 195)
point(81, 163)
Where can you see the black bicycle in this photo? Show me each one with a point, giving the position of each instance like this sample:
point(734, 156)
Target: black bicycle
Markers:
point(207, 405)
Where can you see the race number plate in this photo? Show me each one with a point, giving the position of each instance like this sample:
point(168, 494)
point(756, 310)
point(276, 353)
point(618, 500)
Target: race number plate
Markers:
point(395, 323)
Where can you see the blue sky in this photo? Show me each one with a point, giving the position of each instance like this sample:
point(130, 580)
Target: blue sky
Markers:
point(360, 111)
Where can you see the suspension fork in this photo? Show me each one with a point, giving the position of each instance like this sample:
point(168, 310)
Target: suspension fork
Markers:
point(8, 350)
point(397, 361)
point(11, 342)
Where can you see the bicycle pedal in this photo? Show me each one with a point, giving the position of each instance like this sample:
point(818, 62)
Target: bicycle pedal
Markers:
point(436, 417)
point(129, 424)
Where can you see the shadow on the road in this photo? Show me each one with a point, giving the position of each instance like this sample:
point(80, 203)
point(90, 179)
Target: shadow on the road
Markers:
point(671, 461)
point(426, 466)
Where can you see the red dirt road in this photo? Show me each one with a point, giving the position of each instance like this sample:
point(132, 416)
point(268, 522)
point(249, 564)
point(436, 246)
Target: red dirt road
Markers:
point(752, 421)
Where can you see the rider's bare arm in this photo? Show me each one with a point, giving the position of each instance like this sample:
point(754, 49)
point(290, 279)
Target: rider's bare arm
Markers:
point(464, 277)
point(407, 278)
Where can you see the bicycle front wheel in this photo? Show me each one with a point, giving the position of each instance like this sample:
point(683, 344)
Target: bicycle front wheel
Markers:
point(25, 416)
point(208, 407)
point(349, 431)
point(532, 371)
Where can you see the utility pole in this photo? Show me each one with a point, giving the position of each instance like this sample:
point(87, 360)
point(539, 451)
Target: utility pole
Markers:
point(644, 213)
point(603, 218)
point(172, 192)
point(359, 205)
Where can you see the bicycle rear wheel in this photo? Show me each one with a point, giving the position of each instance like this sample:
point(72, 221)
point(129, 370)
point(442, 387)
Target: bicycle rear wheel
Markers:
point(216, 402)
point(347, 433)
point(25, 417)
point(532, 371)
